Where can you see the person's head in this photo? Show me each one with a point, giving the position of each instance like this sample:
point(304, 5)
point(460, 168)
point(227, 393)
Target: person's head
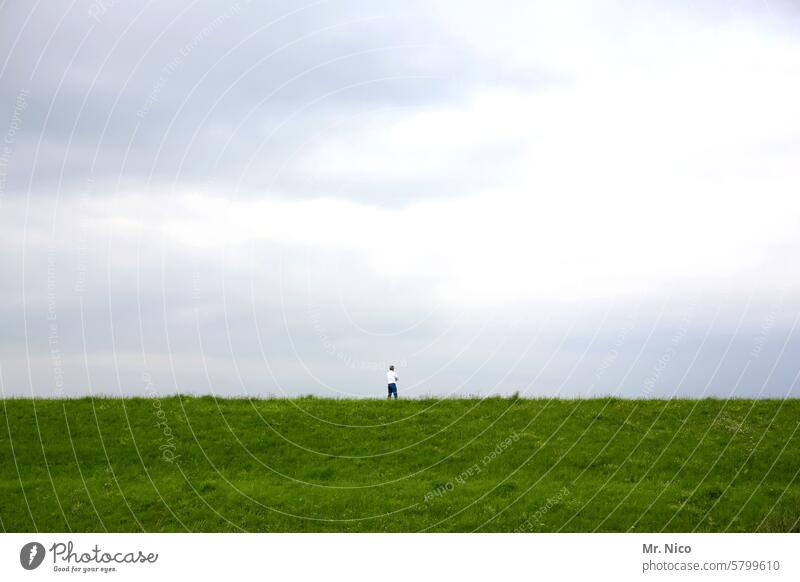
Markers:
point(391, 368)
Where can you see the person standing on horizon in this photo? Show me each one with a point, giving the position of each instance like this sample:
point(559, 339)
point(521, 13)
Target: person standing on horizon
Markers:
point(391, 378)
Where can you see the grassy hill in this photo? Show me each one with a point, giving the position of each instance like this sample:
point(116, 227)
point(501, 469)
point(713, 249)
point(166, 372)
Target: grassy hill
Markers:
point(206, 464)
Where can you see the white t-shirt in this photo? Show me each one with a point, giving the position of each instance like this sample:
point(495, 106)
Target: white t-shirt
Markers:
point(391, 377)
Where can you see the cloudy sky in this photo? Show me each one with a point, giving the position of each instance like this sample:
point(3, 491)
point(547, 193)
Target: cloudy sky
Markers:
point(555, 198)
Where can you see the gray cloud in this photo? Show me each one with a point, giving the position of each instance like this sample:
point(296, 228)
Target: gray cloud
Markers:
point(192, 91)
point(495, 151)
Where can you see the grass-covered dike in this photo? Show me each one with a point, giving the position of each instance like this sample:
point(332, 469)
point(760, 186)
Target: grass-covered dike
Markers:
point(208, 464)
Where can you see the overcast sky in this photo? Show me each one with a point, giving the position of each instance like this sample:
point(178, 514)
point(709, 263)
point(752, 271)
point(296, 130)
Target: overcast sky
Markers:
point(556, 198)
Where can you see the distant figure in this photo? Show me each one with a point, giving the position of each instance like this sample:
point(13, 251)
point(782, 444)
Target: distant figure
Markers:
point(391, 378)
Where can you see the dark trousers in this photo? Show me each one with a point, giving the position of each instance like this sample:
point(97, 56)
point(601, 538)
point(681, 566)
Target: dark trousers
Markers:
point(393, 390)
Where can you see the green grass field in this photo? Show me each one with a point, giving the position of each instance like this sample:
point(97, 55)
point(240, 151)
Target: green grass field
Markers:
point(206, 464)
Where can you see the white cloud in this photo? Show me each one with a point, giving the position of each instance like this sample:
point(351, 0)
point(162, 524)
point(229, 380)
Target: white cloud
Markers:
point(625, 180)
point(613, 156)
